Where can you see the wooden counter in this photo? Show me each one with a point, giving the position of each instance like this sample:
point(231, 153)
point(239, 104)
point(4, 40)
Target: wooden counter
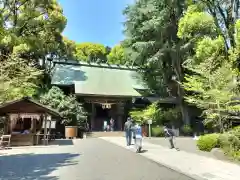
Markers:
point(23, 139)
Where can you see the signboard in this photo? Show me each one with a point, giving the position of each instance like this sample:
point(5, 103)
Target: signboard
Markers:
point(53, 124)
point(149, 121)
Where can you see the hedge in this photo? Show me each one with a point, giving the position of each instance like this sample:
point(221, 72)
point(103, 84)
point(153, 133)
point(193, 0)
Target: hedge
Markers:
point(208, 142)
point(229, 142)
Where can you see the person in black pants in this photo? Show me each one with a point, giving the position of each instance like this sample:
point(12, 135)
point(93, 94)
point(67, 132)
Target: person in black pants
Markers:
point(170, 135)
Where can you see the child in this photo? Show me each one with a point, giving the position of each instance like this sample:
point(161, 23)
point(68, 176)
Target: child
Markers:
point(138, 138)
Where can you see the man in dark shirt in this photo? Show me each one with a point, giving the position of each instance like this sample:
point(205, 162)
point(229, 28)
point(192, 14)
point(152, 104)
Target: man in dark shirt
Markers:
point(128, 130)
point(169, 134)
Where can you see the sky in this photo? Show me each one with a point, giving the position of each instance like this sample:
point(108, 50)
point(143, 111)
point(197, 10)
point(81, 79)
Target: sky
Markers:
point(97, 21)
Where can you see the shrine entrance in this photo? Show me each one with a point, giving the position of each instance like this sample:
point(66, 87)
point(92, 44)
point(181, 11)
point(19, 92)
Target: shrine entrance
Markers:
point(105, 109)
point(102, 114)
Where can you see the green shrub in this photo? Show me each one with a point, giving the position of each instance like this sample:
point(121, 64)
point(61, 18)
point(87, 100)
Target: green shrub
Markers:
point(158, 131)
point(236, 131)
point(223, 141)
point(186, 129)
point(208, 142)
point(72, 111)
point(229, 142)
point(235, 155)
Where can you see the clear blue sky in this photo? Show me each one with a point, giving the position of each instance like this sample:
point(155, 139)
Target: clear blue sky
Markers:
point(98, 21)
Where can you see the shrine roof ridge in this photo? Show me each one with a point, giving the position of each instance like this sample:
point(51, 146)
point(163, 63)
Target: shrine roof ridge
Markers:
point(99, 65)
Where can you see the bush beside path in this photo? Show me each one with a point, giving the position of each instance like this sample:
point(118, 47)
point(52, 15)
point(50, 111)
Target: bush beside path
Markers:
point(229, 142)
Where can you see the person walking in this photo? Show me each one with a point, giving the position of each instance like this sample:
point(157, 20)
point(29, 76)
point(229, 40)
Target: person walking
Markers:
point(105, 125)
point(128, 130)
point(170, 135)
point(112, 124)
point(138, 137)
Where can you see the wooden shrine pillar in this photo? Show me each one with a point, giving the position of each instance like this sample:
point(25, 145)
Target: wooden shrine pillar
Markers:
point(120, 113)
point(33, 125)
point(6, 125)
point(45, 129)
point(10, 128)
point(33, 129)
point(93, 116)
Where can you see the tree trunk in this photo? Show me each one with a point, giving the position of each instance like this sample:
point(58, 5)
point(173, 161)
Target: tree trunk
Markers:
point(176, 61)
point(221, 128)
point(183, 106)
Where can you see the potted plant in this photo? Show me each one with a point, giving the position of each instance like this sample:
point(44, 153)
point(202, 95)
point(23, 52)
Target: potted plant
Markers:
point(76, 117)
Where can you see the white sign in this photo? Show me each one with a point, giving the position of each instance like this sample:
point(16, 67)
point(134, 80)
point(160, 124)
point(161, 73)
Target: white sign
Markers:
point(149, 121)
point(53, 124)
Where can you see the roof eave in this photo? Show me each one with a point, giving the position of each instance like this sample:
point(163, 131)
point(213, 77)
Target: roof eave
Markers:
point(52, 111)
point(104, 95)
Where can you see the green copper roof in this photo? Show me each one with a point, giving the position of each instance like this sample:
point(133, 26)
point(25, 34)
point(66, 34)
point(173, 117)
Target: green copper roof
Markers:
point(106, 80)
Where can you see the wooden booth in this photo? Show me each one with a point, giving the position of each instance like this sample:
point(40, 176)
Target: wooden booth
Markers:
point(26, 120)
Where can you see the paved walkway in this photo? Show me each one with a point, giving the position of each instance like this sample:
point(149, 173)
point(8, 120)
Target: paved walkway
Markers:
point(187, 144)
point(193, 165)
point(88, 159)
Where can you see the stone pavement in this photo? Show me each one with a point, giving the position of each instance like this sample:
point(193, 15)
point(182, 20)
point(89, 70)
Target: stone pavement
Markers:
point(196, 166)
point(187, 144)
point(87, 159)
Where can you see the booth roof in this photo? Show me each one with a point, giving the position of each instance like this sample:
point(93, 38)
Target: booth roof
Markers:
point(27, 105)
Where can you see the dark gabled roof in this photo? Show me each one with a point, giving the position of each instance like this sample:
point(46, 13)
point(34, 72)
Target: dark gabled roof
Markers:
point(6, 107)
point(99, 79)
point(93, 64)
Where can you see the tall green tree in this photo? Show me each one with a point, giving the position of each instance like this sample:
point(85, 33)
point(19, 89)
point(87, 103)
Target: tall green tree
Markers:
point(18, 78)
point(225, 14)
point(117, 56)
point(37, 24)
point(212, 83)
point(67, 49)
point(29, 30)
point(152, 43)
point(91, 52)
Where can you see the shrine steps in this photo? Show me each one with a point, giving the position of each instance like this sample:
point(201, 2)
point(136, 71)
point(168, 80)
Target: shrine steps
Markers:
point(105, 134)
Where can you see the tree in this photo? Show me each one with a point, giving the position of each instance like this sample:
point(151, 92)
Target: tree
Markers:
point(67, 49)
point(117, 56)
point(142, 116)
point(29, 30)
point(91, 52)
point(18, 79)
point(68, 106)
point(108, 50)
point(212, 83)
point(37, 24)
point(224, 14)
point(152, 43)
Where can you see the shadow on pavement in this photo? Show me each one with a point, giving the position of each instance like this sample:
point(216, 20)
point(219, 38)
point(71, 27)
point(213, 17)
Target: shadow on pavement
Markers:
point(33, 166)
point(143, 151)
